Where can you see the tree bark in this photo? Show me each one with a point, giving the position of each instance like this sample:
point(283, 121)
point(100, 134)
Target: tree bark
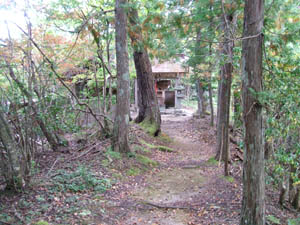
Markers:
point(224, 94)
point(210, 91)
point(121, 123)
point(253, 203)
point(12, 167)
point(201, 99)
point(237, 105)
point(147, 101)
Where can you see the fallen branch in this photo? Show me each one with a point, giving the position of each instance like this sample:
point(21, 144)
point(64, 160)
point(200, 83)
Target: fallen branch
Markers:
point(85, 153)
point(52, 167)
point(167, 206)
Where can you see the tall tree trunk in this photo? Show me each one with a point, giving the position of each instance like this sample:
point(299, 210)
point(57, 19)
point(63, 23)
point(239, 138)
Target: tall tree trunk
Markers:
point(199, 84)
point(253, 203)
point(218, 102)
point(121, 123)
point(147, 102)
point(210, 91)
point(12, 166)
point(224, 94)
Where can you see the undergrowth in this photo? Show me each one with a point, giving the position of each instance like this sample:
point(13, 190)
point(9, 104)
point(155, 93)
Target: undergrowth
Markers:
point(82, 179)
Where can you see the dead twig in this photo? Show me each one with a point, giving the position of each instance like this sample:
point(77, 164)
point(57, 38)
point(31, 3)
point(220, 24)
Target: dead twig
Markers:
point(52, 167)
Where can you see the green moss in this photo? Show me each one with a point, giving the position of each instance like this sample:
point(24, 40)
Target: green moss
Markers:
point(159, 147)
point(146, 161)
point(113, 154)
point(133, 171)
point(149, 127)
point(212, 161)
point(228, 178)
point(41, 222)
point(164, 148)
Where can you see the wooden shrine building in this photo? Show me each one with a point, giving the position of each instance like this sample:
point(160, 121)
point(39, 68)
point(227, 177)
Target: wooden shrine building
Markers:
point(168, 86)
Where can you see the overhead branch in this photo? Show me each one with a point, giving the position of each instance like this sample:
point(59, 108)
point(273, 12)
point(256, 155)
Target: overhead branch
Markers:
point(61, 80)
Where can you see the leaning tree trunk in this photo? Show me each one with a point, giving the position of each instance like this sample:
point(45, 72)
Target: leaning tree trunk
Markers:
point(121, 123)
point(253, 203)
point(224, 95)
point(147, 102)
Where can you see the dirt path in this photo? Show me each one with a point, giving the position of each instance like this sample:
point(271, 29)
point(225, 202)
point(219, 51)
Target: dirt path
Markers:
point(185, 187)
point(188, 188)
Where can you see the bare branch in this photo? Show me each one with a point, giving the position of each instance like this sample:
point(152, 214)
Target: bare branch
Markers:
point(61, 80)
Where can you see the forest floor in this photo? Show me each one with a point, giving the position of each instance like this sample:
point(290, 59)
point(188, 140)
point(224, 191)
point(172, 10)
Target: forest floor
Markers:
point(172, 179)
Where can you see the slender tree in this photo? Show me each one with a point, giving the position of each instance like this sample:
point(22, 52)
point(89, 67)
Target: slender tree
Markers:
point(147, 101)
point(121, 123)
point(228, 20)
point(253, 204)
point(199, 80)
